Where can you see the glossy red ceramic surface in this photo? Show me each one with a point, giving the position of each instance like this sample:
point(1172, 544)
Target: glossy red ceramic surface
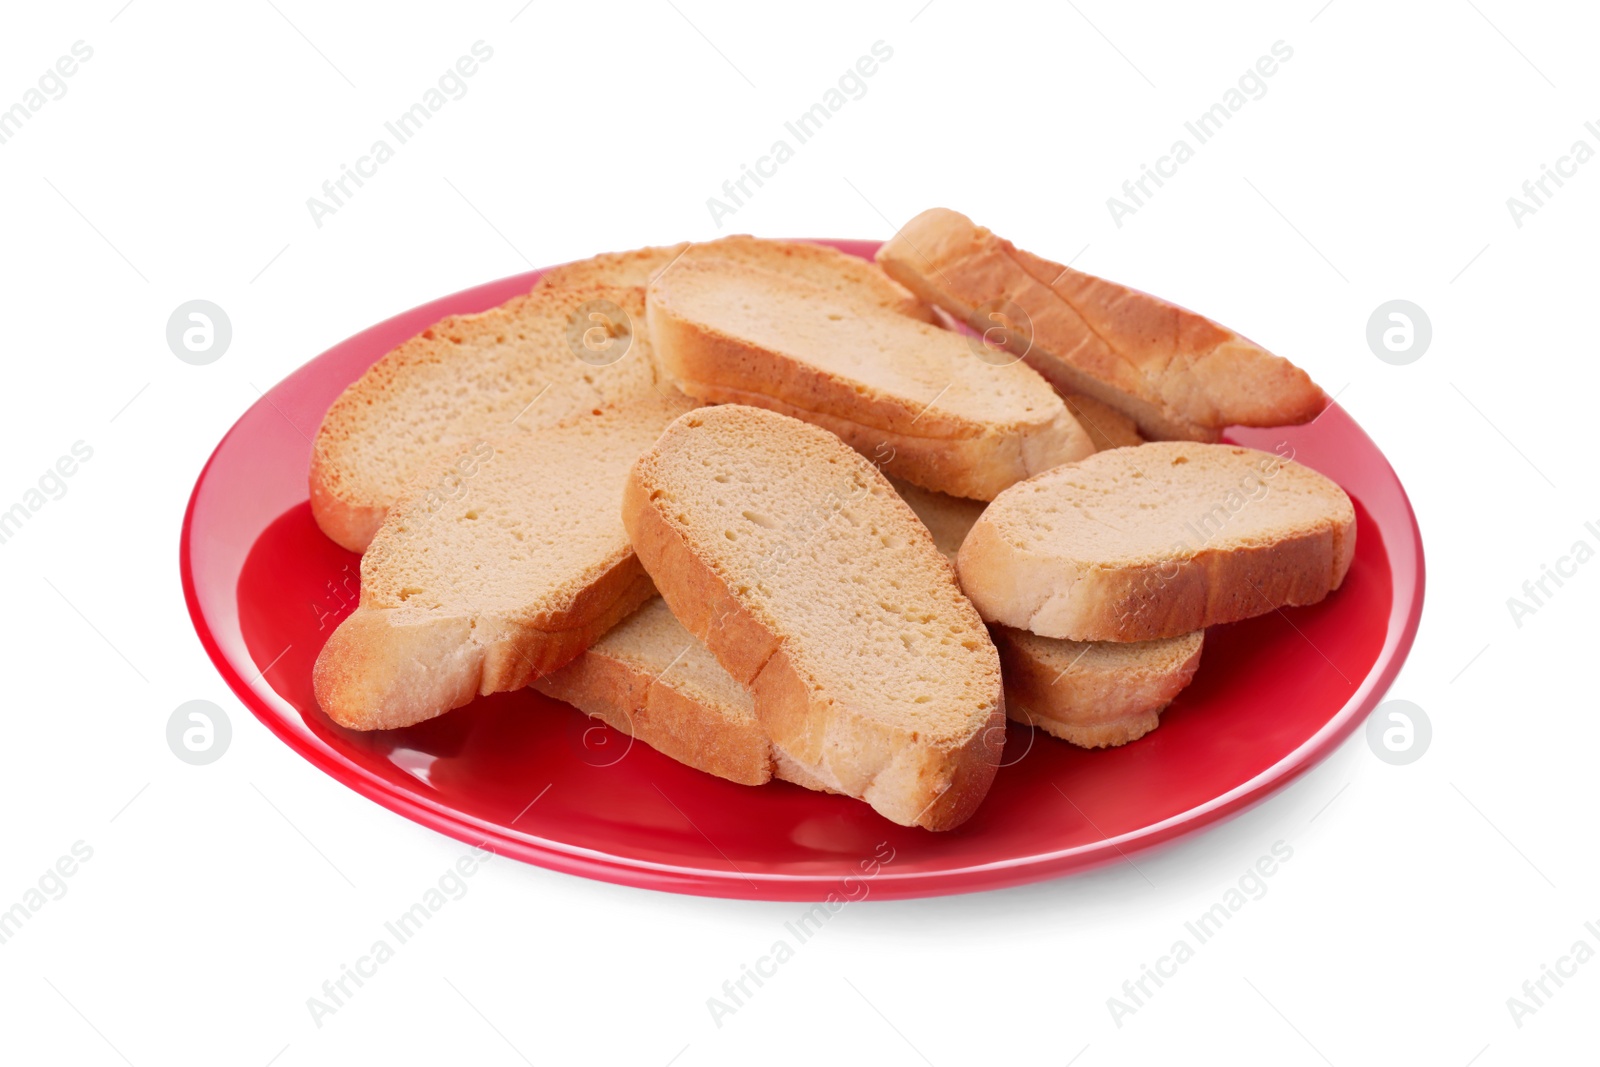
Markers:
point(534, 779)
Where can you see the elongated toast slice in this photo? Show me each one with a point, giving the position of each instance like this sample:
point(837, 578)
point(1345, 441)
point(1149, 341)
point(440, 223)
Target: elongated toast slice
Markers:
point(815, 586)
point(502, 559)
point(656, 682)
point(1142, 543)
point(847, 276)
point(1094, 694)
point(1177, 374)
point(916, 399)
point(651, 679)
point(533, 361)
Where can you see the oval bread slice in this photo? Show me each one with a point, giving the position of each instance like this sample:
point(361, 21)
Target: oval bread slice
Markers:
point(848, 276)
point(813, 583)
point(1155, 541)
point(503, 559)
point(533, 361)
point(1094, 694)
point(650, 679)
point(915, 398)
point(1177, 373)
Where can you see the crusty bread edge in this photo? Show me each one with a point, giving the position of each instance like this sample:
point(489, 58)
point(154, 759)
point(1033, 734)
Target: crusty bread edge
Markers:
point(951, 455)
point(651, 709)
point(940, 239)
point(381, 669)
point(922, 786)
point(1063, 598)
point(1089, 716)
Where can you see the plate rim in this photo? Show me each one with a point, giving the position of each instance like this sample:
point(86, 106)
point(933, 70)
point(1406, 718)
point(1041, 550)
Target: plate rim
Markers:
point(1406, 603)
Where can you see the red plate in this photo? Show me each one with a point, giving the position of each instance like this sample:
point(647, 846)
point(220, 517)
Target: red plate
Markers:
point(533, 778)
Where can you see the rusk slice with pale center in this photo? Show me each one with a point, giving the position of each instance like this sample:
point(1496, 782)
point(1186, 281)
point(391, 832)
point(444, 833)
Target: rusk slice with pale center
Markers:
point(813, 583)
point(1179, 375)
point(847, 276)
point(916, 399)
point(652, 680)
point(502, 559)
point(533, 361)
point(1156, 541)
point(1094, 694)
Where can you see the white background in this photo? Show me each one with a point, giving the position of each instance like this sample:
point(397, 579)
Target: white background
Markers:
point(1377, 166)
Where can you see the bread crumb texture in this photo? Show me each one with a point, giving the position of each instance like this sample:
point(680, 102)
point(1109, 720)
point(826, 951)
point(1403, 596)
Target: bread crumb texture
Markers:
point(823, 551)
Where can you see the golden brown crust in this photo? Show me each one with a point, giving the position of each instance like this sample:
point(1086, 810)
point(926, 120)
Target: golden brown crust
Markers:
point(1052, 590)
point(1086, 702)
point(910, 780)
point(390, 422)
point(860, 278)
point(1179, 375)
point(350, 522)
point(912, 439)
point(667, 717)
point(384, 668)
point(960, 467)
point(487, 573)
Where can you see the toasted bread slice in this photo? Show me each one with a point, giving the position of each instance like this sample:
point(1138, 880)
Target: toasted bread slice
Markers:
point(915, 398)
point(1107, 427)
point(815, 586)
point(1094, 694)
point(1142, 543)
point(1177, 374)
point(533, 361)
point(503, 559)
point(847, 276)
point(631, 269)
point(651, 679)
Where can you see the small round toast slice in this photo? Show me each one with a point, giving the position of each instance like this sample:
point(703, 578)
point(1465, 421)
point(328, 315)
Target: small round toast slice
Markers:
point(1136, 544)
point(813, 584)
